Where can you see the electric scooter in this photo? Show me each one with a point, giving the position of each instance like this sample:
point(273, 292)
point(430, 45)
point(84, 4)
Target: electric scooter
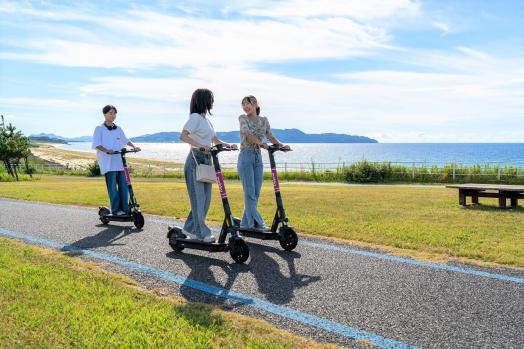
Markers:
point(133, 215)
point(280, 230)
point(236, 246)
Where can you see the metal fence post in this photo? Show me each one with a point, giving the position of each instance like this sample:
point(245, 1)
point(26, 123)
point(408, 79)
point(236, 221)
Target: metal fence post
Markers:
point(498, 171)
point(454, 168)
point(413, 171)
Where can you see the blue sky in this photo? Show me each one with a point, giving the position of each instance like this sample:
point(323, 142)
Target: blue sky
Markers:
point(393, 70)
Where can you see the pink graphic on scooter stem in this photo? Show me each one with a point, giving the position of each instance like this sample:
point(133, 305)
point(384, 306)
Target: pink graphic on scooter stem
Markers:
point(276, 185)
point(221, 186)
point(126, 172)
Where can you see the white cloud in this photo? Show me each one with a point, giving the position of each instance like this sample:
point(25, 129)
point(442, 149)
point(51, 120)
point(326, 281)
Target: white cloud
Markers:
point(361, 102)
point(143, 39)
point(445, 28)
point(356, 9)
point(35, 102)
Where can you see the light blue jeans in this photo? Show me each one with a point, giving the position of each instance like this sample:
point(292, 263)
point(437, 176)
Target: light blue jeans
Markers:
point(199, 196)
point(251, 171)
point(118, 192)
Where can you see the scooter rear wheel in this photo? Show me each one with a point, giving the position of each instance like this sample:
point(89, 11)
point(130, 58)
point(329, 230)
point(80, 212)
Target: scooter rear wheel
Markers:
point(290, 240)
point(139, 220)
point(176, 246)
point(102, 213)
point(239, 250)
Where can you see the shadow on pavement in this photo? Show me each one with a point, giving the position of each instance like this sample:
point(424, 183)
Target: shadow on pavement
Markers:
point(106, 237)
point(276, 285)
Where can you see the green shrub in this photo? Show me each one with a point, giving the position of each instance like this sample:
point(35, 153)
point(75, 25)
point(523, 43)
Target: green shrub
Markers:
point(93, 170)
point(29, 170)
point(368, 172)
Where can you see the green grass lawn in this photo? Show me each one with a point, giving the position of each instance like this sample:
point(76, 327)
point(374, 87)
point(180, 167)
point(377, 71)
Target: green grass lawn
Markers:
point(424, 220)
point(48, 300)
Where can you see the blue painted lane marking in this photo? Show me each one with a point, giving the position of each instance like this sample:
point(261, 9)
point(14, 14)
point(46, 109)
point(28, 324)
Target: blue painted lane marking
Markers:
point(404, 260)
point(289, 313)
point(397, 259)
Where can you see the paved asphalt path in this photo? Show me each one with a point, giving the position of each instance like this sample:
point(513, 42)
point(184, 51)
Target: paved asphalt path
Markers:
point(320, 290)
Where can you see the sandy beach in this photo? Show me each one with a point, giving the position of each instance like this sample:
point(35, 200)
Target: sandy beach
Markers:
point(80, 160)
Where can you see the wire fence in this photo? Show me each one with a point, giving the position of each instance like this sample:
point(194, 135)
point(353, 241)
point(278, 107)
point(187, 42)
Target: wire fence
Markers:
point(330, 171)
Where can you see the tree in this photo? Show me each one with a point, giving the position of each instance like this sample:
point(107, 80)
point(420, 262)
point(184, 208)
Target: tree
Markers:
point(14, 146)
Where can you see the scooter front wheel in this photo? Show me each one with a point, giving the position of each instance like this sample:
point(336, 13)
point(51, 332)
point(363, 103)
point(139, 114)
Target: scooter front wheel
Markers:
point(289, 239)
point(239, 250)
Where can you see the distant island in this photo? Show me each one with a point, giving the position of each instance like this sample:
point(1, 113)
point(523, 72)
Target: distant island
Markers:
point(292, 135)
point(45, 139)
point(287, 135)
point(52, 138)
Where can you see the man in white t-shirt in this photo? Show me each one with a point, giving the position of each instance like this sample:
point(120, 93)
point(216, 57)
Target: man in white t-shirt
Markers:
point(107, 139)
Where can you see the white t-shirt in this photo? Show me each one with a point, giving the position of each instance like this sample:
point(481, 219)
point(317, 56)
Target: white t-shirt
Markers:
point(112, 140)
point(200, 129)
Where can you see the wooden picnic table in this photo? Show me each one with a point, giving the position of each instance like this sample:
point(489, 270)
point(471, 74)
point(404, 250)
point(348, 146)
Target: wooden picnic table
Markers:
point(500, 191)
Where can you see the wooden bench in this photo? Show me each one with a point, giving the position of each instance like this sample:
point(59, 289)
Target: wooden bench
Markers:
point(500, 191)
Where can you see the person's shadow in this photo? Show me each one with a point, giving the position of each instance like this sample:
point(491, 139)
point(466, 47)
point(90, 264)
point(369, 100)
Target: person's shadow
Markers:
point(202, 278)
point(106, 237)
point(277, 287)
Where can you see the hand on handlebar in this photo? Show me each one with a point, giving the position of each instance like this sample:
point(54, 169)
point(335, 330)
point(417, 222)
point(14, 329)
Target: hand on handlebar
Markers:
point(264, 146)
point(285, 147)
point(110, 151)
point(137, 149)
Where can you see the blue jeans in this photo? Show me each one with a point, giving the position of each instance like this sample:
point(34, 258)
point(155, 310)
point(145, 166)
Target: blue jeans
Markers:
point(199, 196)
point(251, 172)
point(118, 192)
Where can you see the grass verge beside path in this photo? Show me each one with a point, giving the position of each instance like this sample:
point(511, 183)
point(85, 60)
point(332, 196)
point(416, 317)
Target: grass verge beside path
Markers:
point(50, 300)
point(425, 220)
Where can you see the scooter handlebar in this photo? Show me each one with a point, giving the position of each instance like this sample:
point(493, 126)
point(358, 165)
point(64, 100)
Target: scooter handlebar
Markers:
point(220, 147)
point(277, 147)
point(124, 151)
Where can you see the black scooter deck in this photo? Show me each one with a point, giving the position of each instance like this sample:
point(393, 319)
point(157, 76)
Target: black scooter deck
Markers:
point(259, 234)
point(200, 245)
point(122, 218)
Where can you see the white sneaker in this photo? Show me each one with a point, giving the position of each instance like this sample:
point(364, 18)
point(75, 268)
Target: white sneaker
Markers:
point(209, 239)
point(261, 226)
point(120, 213)
point(189, 235)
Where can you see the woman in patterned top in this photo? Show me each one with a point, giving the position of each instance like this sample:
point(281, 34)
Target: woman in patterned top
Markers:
point(253, 130)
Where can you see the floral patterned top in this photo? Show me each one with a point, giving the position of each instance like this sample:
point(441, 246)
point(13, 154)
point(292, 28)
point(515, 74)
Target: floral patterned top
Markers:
point(259, 128)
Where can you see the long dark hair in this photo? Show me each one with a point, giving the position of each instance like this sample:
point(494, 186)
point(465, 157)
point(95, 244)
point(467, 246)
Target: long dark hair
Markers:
point(251, 99)
point(201, 101)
